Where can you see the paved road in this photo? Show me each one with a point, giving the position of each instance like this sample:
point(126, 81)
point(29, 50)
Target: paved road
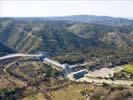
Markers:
point(97, 81)
point(19, 55)
point(39, 55)
point(33, 55)
point(100, 81)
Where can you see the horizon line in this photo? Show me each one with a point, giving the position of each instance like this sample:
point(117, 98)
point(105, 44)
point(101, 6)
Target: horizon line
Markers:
point(64, 16)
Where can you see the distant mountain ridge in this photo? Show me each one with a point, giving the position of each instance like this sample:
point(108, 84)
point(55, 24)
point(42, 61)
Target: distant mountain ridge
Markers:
point(105, 20)
point(95, 19)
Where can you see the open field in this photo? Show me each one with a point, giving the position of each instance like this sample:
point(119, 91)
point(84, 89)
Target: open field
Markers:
point(69, 92)
point(83, 91)
point(105, 72)
point(109, 81)
point(38, 96)
point(128, 68)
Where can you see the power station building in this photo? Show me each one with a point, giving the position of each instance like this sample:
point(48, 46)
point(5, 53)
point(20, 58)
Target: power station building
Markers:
point(78, 74)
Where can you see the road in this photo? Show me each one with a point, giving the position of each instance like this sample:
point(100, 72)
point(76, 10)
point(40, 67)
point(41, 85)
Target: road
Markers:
point(11, 78)
point(19, 55)
point(33, 55)
point(87, 79)
point(39, 55)
point(17, 81)
point(108, 81)
point(29, 34)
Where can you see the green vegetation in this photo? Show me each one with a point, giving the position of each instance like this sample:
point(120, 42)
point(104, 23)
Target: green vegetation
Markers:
point(64, 36)
point(81, 91)
point(50, 72)
point(109, 42)
point(8, 92)
point(5, 50)
point(128, 68)
point(105, 84)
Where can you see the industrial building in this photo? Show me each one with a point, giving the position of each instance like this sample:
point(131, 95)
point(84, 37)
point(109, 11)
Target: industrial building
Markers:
point(78, 74)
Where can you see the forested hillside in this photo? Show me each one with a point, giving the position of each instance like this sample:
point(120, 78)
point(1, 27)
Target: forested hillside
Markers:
point(5, 50)
point(61, 36)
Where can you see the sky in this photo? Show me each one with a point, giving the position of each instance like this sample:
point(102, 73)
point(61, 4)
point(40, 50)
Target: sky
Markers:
point(45, 8)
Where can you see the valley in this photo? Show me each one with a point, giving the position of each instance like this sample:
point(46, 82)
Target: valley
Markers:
point(46, 75)
point(79, 57)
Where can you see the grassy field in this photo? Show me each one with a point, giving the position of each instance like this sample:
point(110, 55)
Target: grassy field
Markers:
point(128, 68)
point(71, 92)
point(79, 91)
point(38, 96)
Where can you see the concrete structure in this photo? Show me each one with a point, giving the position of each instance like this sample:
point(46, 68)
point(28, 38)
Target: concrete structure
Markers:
point(67, 69)
point(77, 74)
point(53, 62)
point(19, 55)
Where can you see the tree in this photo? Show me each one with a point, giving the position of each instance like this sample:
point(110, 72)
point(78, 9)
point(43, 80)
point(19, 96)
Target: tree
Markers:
point(50, 72)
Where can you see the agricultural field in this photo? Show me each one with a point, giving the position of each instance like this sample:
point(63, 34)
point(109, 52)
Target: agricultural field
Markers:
point(128, 68)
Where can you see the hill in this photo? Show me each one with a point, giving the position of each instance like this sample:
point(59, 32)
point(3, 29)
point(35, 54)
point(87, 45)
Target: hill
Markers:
point(61, 36)
point(5, 50)
point(106, 20)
